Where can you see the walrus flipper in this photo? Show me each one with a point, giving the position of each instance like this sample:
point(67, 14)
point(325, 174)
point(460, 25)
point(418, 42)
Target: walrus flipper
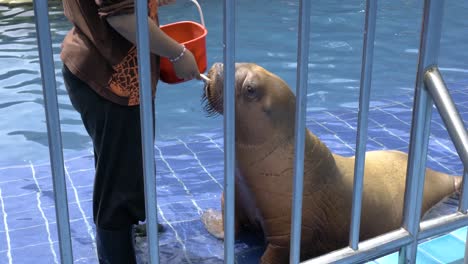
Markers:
point(275, 255)
point(213, 222)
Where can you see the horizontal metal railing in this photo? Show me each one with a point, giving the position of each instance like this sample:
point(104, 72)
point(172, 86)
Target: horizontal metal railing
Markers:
point(429, 84)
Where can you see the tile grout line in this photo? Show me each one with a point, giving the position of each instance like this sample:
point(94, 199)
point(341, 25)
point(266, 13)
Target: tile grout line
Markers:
point(31, 245)
point(34, 226)
point(429, 255)
point(176, 234)
point(5, 223)
point(44, 163)
point(50, 207)
point(75, 191)
point(39, 206)
point(335, 135)
point(48, 190)
point(199, 210)
point(407, 142)
point(354, 129)
point(432, 135)
point(212, 141)
point(199, 162)
point(22, 179)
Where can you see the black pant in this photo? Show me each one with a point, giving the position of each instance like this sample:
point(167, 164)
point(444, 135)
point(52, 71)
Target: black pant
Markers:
point(118, 195)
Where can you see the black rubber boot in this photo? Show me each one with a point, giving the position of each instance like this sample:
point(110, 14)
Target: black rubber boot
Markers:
point(115, 246)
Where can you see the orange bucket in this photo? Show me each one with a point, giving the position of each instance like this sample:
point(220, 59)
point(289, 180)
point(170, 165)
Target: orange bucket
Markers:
point(193, 36)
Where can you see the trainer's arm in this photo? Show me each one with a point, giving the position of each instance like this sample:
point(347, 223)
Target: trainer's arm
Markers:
point(160, 43)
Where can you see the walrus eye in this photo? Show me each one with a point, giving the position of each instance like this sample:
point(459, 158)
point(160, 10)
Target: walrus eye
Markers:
point(250, 92)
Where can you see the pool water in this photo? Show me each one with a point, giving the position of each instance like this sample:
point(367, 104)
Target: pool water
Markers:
point(189, 147)
point(265, 34)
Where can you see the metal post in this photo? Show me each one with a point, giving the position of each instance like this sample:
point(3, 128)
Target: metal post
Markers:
point(301, 106)
point(428, 55)
point(361, 139)
point(229, 23)
point(452, 120)
point(448, 111)
point(146, 117)
point(465, 261)
point(53, 129)
point(463, 207)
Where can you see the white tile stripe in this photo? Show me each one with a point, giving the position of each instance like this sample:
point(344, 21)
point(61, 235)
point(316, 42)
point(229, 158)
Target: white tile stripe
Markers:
point(47, 207)
point(434, 137)
point(429, 255)
point(407, 142)
point(77, 198)
point(199, 210)
point(353, 128)
point(79, 219)
point(23, 179)
point(31, 245)
point(40, 225)
point(41, 164)
point(212, 141)
point(199, 162)
point(39, 206)
point(48, 190)
point(5, 225)
point(176, 234)
point(335, 135)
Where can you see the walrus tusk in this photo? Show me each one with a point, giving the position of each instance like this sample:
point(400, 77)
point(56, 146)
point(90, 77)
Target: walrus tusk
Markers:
point(205, 79)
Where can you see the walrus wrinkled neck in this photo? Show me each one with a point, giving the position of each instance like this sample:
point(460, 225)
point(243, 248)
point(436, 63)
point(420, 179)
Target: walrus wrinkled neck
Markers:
point(267, 144)
point(319, 161)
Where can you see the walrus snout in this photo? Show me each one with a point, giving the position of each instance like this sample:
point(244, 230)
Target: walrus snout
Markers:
point(213, 92)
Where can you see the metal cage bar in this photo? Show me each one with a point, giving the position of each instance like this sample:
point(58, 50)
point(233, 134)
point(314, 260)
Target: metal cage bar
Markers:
point(300, 118)
point(453, 122)
point(361, 138)
point(465, 261)
point(422, 113)
point(369, 249)
point(146, 117)
point(229, 24)
point(53, 129)
point(464, 191)
point(442, 225)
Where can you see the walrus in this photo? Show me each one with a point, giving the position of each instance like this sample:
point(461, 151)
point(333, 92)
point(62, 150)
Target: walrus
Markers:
point(264, 144)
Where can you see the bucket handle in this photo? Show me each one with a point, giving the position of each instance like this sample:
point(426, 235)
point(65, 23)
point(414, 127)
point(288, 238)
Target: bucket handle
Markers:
point(199, 11)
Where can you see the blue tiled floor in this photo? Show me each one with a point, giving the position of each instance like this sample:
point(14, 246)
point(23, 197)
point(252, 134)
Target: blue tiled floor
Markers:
point(190, 177)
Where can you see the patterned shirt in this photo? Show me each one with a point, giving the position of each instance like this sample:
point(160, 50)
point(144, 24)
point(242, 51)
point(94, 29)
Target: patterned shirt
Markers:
point(101, 57)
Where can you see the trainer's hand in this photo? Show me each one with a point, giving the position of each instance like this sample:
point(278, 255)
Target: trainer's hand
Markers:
point(186, 67)
point(165, 2)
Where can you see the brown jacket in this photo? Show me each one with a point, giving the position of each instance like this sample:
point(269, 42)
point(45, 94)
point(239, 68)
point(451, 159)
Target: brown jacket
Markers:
point(101, 57)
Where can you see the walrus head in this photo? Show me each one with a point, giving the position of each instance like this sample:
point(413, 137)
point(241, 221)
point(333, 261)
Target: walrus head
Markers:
point(264, 103)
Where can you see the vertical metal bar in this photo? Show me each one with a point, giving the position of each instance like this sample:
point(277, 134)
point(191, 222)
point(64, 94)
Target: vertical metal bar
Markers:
point(465, 259)
point(428, 55)
point(361, 139)
point(299, 142)
point(53, 129)
point(146, 117)
point(229, 24)
point(463, 207)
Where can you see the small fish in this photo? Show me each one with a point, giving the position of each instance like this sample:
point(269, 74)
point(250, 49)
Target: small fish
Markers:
point(205, 79)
